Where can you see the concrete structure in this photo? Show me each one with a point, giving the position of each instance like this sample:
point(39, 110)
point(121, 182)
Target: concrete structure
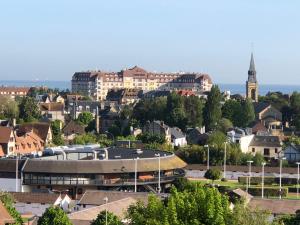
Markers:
point(81, 168)
point(96, 84)
point(252, 84)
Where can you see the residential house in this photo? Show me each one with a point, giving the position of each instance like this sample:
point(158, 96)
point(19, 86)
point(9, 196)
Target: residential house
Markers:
point(13, 92)
point(241, 137)
point(178, 138)
point(59, 99)
point(268, 146)
point(159, 128)
point(197, 136)
point(77, 107)
point(7, 141)
point(269, 116)
point(5, 217)
point(292, 153)
point(43, 130)
point(28, 143)
point(258, 128)
point(37, 203)
point(44, 98)
point(52, 111)
point(72, 129)
point(108, 117)
point(123, 96)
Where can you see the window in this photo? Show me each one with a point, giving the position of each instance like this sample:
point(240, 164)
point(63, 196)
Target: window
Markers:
point(266, 151)
point(276, 151)
point(253, 150)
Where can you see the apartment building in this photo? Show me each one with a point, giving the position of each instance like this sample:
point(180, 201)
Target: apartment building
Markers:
point(96, 84)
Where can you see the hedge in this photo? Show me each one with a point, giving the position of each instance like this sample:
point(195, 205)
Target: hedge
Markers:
point(268, 192)
point(257, 180)
point(269, 180)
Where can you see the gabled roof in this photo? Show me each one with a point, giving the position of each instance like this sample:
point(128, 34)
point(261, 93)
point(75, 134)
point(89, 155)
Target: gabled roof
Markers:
point(176, 133)
point(73, 128)
point(96, 197)
point(41, 129)
point(276, 206)
point(260, 106)
point(5, 217)
point(258, 127)
point(29, 197)
point(269, 141)
point(5, 133)
point(52, 106)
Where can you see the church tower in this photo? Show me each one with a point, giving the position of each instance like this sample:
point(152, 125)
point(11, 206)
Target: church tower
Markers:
point(251, 84)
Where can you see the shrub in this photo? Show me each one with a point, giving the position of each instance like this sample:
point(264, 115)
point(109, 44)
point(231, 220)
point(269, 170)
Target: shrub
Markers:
point(257, 180)
point(212, 174)
point(224, 179)
point(268, 192)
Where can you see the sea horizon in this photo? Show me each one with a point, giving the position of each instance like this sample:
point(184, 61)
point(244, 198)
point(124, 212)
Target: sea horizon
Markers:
point(233, 88)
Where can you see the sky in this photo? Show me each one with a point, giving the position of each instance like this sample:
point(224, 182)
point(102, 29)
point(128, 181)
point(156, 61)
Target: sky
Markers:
point(51, 39)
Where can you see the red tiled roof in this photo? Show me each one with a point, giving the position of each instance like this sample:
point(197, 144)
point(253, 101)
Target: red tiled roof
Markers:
point(14, 89)
point(29, 142)
point(52, 106)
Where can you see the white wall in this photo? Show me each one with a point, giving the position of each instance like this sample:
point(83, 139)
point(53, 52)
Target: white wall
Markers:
point(8, 184)
point(245, 142)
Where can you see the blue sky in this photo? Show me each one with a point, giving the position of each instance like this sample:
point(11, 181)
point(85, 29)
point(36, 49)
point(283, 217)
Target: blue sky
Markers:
point(53, 39)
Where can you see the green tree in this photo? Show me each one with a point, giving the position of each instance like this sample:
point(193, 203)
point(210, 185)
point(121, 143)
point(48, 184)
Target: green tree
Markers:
point(212, 109)
point(258, 159)
point(232, 110)
point(248, 112)
point(54, 216)
point(224, 125)
point(111, 219)
point(213, 174)
point(176, 112)
point(85, 118)
point(29, 110)
point(56, 131)
point(84, 139)
point(194, 111)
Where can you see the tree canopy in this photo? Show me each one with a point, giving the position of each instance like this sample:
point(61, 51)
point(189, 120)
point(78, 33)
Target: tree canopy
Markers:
point(111, 219)
point(54, 216)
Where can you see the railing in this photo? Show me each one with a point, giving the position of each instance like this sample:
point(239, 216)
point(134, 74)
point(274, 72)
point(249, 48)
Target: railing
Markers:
point(106, 182)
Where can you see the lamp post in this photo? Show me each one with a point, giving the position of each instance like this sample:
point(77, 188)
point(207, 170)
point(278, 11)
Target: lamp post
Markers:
point(298, 177)
point(207, 146)
point(224, 173)
point(249, 173)
point(262, 179)
point(135, 174)
point(113, 137)
point(280, 175)
point(106, 201)
point(159, 186)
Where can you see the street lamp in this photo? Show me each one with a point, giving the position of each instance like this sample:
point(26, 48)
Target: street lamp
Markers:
point(106, 201)
point(224, 174)
point(159, 186)
point(135, 174)
point(298, 177)
point(262, 179)
point(249, 174)
point(207, 146)
point(280, 175)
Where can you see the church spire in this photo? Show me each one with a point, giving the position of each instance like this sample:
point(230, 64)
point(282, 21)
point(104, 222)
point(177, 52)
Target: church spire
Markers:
point(252, 64)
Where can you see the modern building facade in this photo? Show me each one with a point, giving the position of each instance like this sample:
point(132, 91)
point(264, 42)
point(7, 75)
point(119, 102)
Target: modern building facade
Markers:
point(97, 83)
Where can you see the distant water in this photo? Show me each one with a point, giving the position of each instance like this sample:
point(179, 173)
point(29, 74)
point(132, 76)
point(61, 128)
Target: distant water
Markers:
point(61, 85)
point(233, 88)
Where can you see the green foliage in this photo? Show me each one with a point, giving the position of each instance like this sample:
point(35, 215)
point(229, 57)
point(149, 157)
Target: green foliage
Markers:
point(56, 131)
point(103, 140)
point(258, 159)
point(8, 203)
point(224, 125)
point(268, 191)
point(248, 112)
point(243, 215)
point(148, 138)
point(111, 219)
point(213, 174)
point(85, 118)
point(54, 216)
point(84, 139)
point(29, 110)
point(197, 205)
point(8, 108)
point(193, 154)
point(194, 111)
point(212, 109)
point(289, 219)
point(115, 130)
point(257, 180)
point(217, 139)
